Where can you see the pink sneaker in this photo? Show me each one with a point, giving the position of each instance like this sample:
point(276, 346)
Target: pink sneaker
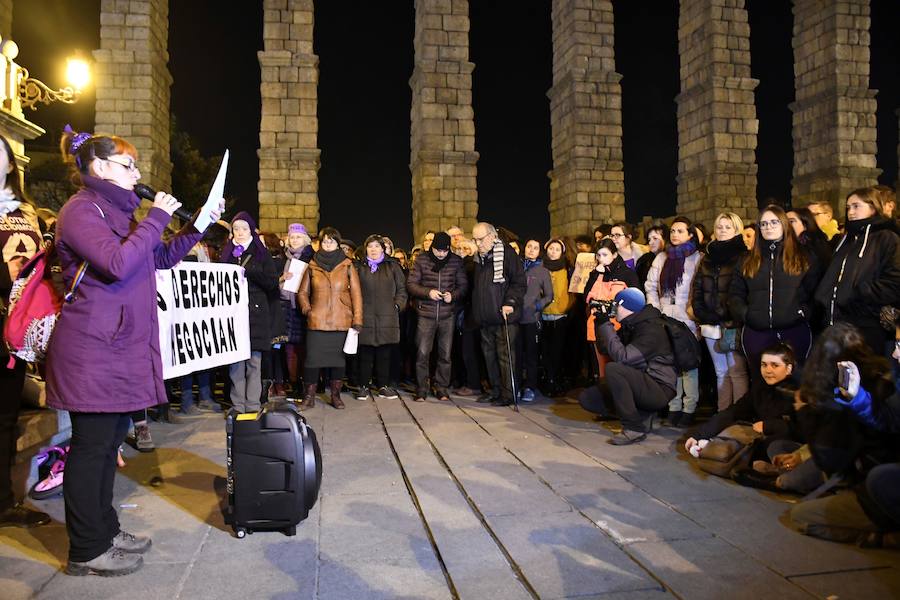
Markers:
point(51, 485)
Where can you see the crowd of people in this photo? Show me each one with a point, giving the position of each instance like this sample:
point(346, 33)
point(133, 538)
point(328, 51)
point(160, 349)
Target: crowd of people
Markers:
point(793, 318)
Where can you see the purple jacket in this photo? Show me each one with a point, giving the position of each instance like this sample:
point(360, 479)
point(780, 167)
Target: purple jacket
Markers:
point(104, 353)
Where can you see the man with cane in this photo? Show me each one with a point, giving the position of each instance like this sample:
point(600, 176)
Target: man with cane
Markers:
point(497, 295)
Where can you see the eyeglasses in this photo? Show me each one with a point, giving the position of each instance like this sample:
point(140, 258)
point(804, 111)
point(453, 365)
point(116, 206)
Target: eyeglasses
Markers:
point(616, 236)
point(769, 224)
point(130, 166)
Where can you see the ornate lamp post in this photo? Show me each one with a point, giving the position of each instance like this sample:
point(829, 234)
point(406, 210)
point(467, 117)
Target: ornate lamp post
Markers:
point(19, 90)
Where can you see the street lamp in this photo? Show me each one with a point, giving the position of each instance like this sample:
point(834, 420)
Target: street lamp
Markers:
point(30, 91)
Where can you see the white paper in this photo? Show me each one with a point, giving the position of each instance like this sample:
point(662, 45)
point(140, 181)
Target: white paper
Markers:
point(352, 341)
point(296, 269)
point(216, 193)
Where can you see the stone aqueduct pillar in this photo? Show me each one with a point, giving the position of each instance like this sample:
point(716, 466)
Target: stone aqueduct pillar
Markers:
point(834, 111)
point(133, 81)
point(288, 130)
point(442, 134)
point(833, 123)
point(717, 123)
point(587, 184)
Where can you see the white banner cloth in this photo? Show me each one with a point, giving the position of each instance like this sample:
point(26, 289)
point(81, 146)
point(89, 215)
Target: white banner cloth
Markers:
point(203, 317)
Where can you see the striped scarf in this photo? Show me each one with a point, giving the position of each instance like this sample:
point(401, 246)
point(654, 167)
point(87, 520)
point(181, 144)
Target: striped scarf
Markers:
point(498, 262)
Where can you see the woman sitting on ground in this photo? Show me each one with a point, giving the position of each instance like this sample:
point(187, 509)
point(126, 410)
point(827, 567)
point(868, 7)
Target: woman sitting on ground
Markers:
point(769, 405)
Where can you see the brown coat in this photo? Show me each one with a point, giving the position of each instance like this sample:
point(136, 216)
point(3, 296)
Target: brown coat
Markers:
point(336, 302)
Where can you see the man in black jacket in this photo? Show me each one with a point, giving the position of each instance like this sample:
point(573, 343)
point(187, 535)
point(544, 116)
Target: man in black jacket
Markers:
point(497, 296)
point(640, 379)
point(438, 284)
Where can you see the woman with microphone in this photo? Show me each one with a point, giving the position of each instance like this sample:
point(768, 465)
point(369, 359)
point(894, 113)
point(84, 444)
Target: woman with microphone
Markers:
point(104, 360)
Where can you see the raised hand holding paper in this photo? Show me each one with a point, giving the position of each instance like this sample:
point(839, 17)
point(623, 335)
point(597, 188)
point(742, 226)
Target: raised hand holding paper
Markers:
point(214, 200)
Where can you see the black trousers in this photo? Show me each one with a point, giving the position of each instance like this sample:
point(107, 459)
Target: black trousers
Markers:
point(11, 382)
point(471, 356)
point(553, 346)
point(91, 520)
point(528, 352)
point(498, 359)
point(377, 358)
point(427, 331)
point(635, 395)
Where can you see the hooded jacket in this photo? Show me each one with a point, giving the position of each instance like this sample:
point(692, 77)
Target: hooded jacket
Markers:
point(713, 280)
point(772, 299)
point(864, 274)
point(423, 278)
point(538, 293)
point(104, 354)
point(641, 343)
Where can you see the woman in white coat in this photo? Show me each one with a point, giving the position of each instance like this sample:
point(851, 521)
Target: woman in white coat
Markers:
point(668, 288)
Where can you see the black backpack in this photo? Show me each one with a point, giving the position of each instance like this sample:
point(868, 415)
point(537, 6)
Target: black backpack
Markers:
point(685, 347)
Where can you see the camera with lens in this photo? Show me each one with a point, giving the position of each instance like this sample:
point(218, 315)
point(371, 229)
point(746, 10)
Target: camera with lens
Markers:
point(603, 310)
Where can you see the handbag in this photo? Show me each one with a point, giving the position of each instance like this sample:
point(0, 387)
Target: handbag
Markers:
point(729, 451)
point(729, 342)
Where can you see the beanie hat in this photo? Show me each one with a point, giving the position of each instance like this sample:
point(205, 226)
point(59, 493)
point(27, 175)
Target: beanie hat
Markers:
point(297, 228)
point(632, 299)
point(441, 241)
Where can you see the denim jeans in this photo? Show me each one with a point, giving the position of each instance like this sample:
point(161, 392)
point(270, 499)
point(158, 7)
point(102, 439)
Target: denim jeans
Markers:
point(731, 375)
point(426, 332)
point(187, 389)
point(687, 392)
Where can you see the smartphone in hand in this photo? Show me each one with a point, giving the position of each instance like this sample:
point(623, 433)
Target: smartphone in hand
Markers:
point(843, 377)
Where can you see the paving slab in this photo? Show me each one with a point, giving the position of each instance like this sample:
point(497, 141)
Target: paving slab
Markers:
point(474, 562)
point(853, 585)
point(758, 532)
point(564, 555)
point(630, 515)
point(712, 568)
point(159, 581)
point(362, 475)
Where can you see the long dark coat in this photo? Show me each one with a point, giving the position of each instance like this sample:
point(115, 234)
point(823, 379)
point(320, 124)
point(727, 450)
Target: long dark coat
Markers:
point(384, 296)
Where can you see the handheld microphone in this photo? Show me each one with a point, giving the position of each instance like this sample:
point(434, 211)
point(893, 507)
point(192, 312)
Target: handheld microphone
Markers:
point(148, 193)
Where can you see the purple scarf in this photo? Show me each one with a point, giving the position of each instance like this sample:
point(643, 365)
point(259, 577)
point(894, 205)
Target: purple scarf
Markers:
point(373, 264)
point(673, 268)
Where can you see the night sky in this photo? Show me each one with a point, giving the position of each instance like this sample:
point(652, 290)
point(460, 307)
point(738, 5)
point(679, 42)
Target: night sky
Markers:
point(366, 58)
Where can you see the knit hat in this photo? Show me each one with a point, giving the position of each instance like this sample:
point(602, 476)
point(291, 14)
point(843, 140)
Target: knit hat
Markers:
point(297, 228)
point(632, 299)
point(441, 241)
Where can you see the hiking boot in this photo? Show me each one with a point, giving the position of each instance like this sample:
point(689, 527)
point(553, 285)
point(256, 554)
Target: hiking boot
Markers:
point(127, 542)
point(674, 418)
point(142, 440)
point(387, 392)
point(362, 393)
point(487, 398)
point(190, 411)
point(626, 437)
point(466, 392)
point(277, 391)
point(686, 420)
point(210, 405)
point(19, 515)
point(112, 563)
point(336, 401)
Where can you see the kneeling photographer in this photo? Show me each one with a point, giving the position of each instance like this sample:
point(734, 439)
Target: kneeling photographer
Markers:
point(640, 379)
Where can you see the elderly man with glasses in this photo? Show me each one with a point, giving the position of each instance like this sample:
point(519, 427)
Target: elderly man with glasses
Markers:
point(497, 295)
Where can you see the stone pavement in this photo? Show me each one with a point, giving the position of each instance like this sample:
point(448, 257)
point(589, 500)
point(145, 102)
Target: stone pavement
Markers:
point(444, 500)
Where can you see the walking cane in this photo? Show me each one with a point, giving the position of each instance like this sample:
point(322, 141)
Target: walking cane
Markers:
point(512, 372)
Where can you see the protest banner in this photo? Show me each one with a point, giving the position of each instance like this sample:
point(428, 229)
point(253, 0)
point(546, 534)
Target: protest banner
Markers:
point(585, 262)
point(203, 317)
